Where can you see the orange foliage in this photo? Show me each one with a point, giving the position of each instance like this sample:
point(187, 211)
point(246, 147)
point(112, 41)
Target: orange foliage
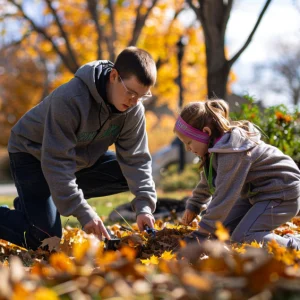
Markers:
point(159, 36)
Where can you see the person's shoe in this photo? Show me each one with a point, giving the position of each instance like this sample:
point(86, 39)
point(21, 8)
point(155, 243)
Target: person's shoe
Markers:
point(4, 206)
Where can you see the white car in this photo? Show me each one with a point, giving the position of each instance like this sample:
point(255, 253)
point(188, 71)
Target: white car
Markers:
point(167, 156)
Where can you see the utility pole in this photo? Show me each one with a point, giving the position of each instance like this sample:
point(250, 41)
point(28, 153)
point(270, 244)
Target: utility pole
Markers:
point(180, 53)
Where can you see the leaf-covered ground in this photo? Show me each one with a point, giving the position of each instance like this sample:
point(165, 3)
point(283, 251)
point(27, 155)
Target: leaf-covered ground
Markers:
point(148, 266)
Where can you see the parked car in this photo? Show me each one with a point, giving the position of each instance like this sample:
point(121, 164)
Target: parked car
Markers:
point(167, 156)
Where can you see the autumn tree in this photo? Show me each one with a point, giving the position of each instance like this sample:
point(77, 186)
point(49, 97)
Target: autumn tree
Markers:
point(214, 16)
point(77, 31)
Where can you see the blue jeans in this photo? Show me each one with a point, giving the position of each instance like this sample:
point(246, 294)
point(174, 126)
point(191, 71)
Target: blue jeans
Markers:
point(35, 216)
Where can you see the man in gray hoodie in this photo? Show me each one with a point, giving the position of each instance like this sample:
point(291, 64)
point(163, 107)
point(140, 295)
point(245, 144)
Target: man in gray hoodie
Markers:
point(59, 150)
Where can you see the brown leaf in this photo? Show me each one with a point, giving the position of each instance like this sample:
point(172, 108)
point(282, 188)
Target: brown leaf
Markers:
point(52, 243)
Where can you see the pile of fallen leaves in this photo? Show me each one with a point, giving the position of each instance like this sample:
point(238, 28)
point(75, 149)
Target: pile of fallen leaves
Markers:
point(150, 266)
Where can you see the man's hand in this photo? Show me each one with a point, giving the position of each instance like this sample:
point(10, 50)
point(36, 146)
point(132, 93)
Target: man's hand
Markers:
point(96, 227)
point(188, 217)
point(143, 220)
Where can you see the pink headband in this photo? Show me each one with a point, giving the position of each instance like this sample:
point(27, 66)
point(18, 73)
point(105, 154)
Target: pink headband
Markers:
point(194, 133)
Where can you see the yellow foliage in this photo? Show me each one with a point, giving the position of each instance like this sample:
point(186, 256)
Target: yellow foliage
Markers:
point(221, 232)
point(159, 36)
point(20, 292)
point(196, 281)
point(61, 262)
point(153, 260)
point(168, 255)
point(80, 249)
point(43, 293)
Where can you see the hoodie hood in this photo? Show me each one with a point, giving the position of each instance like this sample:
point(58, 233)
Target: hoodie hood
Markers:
point(237, 141)
point(87, 74)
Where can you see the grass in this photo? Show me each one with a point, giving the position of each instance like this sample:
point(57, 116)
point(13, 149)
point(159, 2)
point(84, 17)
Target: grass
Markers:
point(103, 205)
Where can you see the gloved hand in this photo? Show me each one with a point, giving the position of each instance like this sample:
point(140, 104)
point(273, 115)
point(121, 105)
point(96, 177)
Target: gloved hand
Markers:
point(188, 217)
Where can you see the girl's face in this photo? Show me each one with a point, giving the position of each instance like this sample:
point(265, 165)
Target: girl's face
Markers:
point(198, 148)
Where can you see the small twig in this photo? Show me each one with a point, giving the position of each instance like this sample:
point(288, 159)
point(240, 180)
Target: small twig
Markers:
point(25, 239)
point(66, 223)
point(123, 219)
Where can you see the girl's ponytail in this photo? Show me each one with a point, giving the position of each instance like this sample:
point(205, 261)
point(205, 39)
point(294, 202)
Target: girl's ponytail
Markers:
point(218, 109)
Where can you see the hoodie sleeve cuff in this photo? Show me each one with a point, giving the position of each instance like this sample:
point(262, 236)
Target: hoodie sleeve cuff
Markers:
point(193, 208)
point(142, 207)
point(207, 227)
point(84, 213)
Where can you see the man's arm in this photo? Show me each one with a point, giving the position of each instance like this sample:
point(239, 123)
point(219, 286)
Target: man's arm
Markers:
point(58, 160)
point(135, 161)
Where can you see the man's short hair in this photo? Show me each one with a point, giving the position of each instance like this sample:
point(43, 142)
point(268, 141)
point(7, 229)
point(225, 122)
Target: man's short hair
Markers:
point(133, 61)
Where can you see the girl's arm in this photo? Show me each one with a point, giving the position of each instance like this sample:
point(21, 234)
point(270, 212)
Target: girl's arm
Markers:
point(201, 196)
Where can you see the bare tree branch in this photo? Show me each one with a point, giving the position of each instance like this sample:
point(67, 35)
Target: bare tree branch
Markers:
point(16, 43)
point(195, 9)
point(63, 33)
point(7, 15)
point(69, 64)
point(140, 22)
point(92, 8)
point(113, 38)
point(236, 56)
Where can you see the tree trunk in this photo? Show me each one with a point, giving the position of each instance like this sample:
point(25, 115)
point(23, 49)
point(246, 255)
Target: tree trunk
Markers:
point(214, 16)
point(217, 82)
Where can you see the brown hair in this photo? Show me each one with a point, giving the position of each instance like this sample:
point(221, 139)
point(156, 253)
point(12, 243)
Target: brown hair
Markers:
point(133, 61)
point(214, 114)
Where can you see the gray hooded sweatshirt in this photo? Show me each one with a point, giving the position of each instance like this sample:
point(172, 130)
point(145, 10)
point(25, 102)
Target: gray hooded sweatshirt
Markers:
point(242, 167)
point(71, 128)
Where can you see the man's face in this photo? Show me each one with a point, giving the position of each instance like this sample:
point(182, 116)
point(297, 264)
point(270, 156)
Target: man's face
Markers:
point(126, 93)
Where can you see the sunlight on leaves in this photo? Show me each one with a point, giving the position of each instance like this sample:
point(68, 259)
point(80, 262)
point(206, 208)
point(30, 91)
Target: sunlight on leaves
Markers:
point(221, 232)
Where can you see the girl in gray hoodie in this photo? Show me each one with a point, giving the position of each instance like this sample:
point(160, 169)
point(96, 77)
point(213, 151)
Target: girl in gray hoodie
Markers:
point(248, 185)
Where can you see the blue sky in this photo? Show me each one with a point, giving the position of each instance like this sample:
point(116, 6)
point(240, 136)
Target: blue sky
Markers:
point(281, 21)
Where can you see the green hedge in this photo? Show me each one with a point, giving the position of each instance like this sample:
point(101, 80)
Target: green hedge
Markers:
point(280, 125)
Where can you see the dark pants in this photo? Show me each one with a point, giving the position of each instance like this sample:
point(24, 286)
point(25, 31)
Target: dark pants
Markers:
point(35, 216)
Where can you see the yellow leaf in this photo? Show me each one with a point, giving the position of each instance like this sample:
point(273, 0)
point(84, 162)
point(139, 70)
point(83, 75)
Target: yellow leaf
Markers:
point(20, 292)
point(128, 252)
point(196, 281)
point(44, 293)
point(167, 255)
point(152, 261)
point(80, 249)
point(61, 262)
point(255, 244)
point(221, 232)
point(145, 261)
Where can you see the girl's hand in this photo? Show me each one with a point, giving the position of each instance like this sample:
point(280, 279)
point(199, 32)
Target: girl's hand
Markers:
point(188, 217)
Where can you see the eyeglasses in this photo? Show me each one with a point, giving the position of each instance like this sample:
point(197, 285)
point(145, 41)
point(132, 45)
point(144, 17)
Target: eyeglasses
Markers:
point(133, 95)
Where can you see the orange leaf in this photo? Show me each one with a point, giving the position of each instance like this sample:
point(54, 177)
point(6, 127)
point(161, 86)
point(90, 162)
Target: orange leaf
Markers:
point(221, 232)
